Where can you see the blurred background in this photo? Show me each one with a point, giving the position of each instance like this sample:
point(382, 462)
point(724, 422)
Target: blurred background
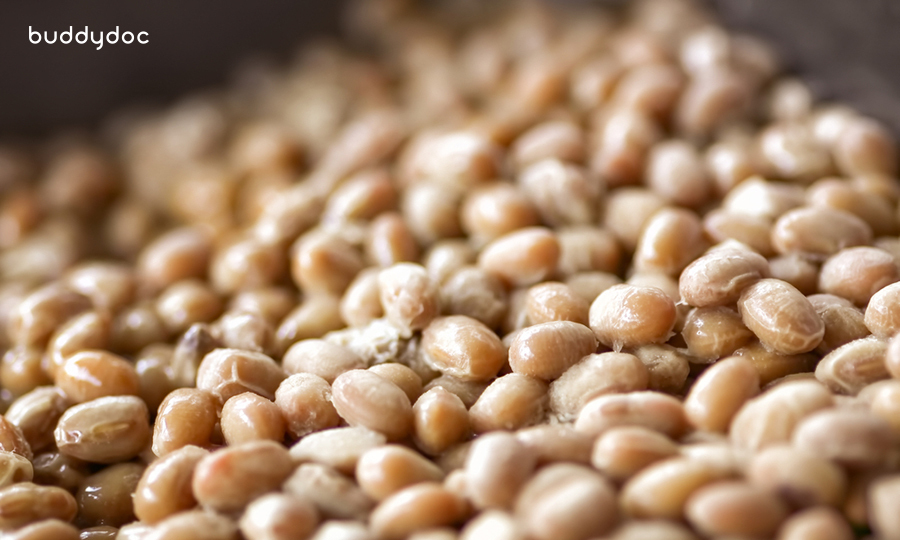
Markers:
point(845, 49)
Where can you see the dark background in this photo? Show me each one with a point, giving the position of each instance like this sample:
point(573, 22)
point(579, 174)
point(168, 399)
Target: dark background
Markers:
point(193, 44)
point(847, 49)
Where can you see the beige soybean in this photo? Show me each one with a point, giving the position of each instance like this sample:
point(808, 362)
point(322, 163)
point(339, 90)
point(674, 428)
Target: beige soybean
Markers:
point(334, 494)
point(886, 403)
point(555, 302)
point(193, 525)
point(362, 398)
point(339, 448)
point(763, 199)
point(463, 157)
point(22, 370)
point(858, 273)
point(524, 257)
point(467, 391)
point(589, 285)
point(510, 402)
point(623, 140)
point(40, 313)
point(661, 490)
point(49, 529)
point(184, 360)
point(475, 293)
point(670, 240)
point(494, 524)
point(463, 347)
point(416, 508)
point(851, 367)
point(14, 468)
point(668, 368)
point(754, 231)
point(91, 374)
point(323, 262)
point(411, 299)
point(803, 478)
point(431, 210)
point(401, 375)
point(562, 193)
point(105, 497)
point(720, 392)
point(772, 417)
point(58, 469)
point(790, 151)
point(187, 302)
point(628, 210)
point(771, 365)
point(342, 530)
point(313, 318)
point(174, 256)
point(816, 524)
point(390, 241)
point(730, 162)
point(247, 331)
point(494, 210)
point(497, 466)
point(247, 264)
point(585, 248)
point(567, 502)
point(110, 286)
point(279, 517)
point(187, 416)
point(781, 317)
point(856, 508)
point(852, 437)
point(230, 478)
point(35, 414)
point(383, 471)
point(653, 410)
point(621, 452)
point(652, 529)
point(718, 278)
point(819, 231)
point(843, 321)
point(676, 171)
point(89, 330)
point(228, 372)
point(361, 302)
point(363, 196)
point(882, 496)
point(882, 316)
point(446, 257)
point(874, 208)
point(799, 269)
point(25, 503)
point(735, 508)
point(321, 358)
point(105, 430)
point(593, 376)
point(165, 485)
point(865, 147)
point(251, 417)
point(552, 139)
point(629, 316)
point(440, 420)
point(557, 442)
point(714, 332)
point(547, 350)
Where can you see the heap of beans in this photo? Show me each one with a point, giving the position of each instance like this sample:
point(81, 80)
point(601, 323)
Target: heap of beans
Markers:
point(524, 275)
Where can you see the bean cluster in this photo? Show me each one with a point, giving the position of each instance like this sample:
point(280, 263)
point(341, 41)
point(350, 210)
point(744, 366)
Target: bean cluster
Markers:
point(517, 272)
